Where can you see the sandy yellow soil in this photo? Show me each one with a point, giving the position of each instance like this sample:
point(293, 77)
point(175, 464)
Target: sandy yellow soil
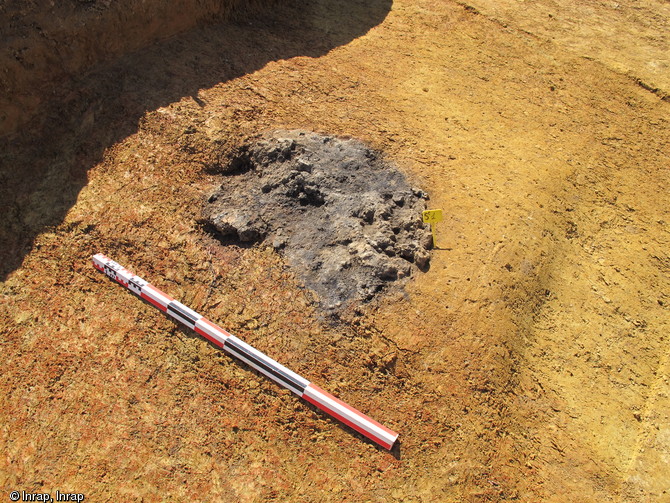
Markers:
point(530, 363)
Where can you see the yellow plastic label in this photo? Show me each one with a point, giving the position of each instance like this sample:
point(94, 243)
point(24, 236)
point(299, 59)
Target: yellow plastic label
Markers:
point(432, 216)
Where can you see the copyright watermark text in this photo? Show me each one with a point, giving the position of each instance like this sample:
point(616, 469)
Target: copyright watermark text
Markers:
point(59, 496)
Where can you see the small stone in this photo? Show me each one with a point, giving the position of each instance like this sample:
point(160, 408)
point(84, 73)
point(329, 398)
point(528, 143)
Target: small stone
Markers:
point(427, 240)
point(421, 259)
point(407, 251)
point(279, 242)
point(404, 271)
point(420, 194)
point(302, 165)
point(367, 215)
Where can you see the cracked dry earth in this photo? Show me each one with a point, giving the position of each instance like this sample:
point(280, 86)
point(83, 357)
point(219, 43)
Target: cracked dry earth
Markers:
point(529, 363)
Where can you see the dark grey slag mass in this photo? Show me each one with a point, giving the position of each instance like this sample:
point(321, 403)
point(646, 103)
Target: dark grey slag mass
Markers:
point(347, 221)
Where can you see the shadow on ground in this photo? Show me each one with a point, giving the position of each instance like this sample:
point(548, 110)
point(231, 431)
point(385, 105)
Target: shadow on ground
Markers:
point(44, 166)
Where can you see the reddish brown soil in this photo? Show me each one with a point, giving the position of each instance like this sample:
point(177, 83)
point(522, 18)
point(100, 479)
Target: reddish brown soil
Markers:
point(530, 363)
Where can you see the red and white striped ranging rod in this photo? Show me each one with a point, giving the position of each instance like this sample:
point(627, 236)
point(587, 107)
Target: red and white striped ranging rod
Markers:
point(275, 371)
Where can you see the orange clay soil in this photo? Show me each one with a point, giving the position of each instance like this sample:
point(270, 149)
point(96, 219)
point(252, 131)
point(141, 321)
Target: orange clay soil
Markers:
point(530, 363)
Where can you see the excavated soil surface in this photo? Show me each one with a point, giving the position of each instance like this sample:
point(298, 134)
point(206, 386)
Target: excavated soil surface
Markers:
point(347, 222)
point(529, 363)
